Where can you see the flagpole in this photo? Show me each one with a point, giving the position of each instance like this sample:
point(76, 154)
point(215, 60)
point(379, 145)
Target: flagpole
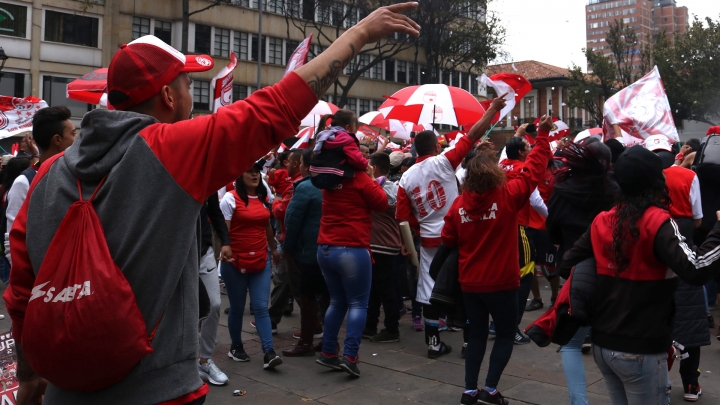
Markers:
point(488, 131)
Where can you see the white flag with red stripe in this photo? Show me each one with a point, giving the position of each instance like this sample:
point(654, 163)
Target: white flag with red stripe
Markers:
point(559, 128)
point(16, 114)
point(299, 55)
point(222, 84)
point(641, 109)
point(516, 87)
point(303, 141)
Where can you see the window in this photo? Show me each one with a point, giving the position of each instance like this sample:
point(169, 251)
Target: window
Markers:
point(202, 38)
point(474, 84)
point(240, 45)
point(377, 71)
point(529, 106)
point(424, 75)
point(351, 105)
point(54, 93)
point(240, 91)
point(241, 3)
point(376, 104)
point(308, 10)
point(390, 70)
point(324, 12)
point(293, 8)
point(71, 29)
point(338, 14)
point(14, 22)
point(290, 47)
point(363, 61)
point(201, 95)
point(351, 16)
point(222, 42)
point(364, 107)
point(455, 78)
point(163, 30)
point(413, 74)
point(140, 27)
point(275, 6)
point(445, 77)
point(13, 84)
point(255, 4)
point(401, 72)
point(254, 48)
point(275, 51)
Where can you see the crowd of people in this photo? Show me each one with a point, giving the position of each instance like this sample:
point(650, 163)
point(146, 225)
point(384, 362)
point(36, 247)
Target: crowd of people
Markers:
point(322, 227)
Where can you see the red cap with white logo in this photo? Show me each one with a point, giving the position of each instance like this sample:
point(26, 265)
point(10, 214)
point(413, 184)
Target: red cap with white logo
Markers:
point(141, 68)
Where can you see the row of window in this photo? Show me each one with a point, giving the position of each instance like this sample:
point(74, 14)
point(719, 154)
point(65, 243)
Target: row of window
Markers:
point(60, 27)
point(627, 11)
point(53, 91)
point(144, 26)
point(607, 5)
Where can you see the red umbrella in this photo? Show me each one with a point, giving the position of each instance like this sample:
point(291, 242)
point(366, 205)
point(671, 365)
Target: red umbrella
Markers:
point(433, 103)
point(90, 88)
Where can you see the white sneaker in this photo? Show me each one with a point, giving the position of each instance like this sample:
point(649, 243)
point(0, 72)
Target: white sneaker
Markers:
point(211, 373)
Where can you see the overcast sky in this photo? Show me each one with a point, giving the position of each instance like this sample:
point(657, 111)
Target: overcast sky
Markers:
point(554, 31)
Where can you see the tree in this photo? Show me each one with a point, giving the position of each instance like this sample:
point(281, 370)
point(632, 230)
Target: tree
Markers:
point(590, 90)
point(186, 18)
point(457, 34)
point(327, 20)
point(689, 65)
point(623, 44)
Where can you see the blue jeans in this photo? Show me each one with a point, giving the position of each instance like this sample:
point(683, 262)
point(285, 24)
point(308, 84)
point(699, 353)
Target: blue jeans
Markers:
point(4, 270)
point(238, 285)
point(633, 379)
point(348, 275)
point(574, 368)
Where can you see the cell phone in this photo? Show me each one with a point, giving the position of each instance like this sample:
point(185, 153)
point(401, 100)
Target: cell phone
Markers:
point(531, 129)
point(550, 113)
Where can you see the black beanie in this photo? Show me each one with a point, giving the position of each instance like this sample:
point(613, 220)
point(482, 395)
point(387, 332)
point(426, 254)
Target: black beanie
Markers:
point(616, 148)
point(638, 169)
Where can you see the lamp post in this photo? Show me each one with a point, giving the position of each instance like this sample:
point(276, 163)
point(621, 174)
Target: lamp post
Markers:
point(3, 59)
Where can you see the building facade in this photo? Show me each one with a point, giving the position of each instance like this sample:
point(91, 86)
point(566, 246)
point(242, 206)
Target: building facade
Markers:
point(52, 42)
point(647, 17)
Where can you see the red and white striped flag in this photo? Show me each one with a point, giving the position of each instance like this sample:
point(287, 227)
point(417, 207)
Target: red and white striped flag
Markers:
point(222, 84)
point(641, 109)
point(559, 128)
point(516, 87)
point(303, 141)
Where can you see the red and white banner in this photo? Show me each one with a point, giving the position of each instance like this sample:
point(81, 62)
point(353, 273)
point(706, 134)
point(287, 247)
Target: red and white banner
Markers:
point(299, 56)
point(516, 87)
point(641, 109)
point(8, 370)
point(16, 114)
point(222, 84)
point(305, 135)
point(559, 128)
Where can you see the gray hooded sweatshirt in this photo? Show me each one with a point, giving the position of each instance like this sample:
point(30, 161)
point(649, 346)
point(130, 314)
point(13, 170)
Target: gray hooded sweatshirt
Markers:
point(158, 176)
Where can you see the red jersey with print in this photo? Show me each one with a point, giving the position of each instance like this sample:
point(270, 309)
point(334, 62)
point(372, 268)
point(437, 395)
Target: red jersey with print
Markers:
point(679, 182)
point(279, 181)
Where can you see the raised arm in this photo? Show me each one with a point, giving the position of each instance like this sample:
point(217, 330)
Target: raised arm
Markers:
point(535, 165)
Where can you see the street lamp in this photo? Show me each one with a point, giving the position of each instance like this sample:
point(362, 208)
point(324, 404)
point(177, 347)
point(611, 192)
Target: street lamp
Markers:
point(3, 59)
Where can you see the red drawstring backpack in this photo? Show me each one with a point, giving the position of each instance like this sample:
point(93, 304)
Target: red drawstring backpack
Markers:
point(83, 328)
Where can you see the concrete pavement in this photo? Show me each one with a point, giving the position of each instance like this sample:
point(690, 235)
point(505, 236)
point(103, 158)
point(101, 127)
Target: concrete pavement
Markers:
point(401, 373)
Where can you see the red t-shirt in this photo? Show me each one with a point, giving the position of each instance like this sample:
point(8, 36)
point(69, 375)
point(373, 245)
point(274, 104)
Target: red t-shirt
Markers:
point(248, 234)
point(346, 211)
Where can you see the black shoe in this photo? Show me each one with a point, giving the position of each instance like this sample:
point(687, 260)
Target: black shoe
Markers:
point(227, 311)
point(491, 329)
point(271, 360)
point(288, 307)
point(468, 399)
point(368, 333)
point(349, 366)
point(521, 339)
point(444, 349)
point(587, 345)
point(484, 397)
point(711, 321)
point(330, 362)
point(386, 336)
point(534, 305)
point(462, 351)
point(238, 354)
point(692, 393)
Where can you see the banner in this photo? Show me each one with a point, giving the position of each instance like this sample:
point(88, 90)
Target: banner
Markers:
point(514, 86)
point(222, 84)
point(641, 109)
point(8, 370)
point(16, 114)
point(299, 55)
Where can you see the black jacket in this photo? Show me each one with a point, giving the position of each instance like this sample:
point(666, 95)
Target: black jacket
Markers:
point(210, 212)
point(571, 209)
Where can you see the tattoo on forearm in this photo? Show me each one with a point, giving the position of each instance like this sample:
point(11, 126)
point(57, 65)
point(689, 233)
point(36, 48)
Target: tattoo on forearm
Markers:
point(321, 82)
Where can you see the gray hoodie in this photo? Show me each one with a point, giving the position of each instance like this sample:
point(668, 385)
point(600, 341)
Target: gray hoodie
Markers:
point(158, 176)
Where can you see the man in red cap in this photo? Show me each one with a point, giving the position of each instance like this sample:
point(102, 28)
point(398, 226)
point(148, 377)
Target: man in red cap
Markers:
point(151, 197)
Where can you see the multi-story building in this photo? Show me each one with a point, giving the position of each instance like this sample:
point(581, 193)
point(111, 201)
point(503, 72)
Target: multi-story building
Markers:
point(52, 42)
point(647, 17)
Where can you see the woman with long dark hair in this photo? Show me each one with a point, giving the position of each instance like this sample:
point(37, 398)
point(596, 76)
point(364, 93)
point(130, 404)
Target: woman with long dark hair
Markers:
point(583, 189)
point(246, 262)
point(639, 251)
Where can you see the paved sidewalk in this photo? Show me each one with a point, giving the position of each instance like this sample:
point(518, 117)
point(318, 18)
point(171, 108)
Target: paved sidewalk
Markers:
point(400, 373)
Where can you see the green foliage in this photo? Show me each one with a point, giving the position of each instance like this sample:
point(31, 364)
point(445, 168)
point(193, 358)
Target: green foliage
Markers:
point(689, 65)
point(623, 43)
point(588, 91)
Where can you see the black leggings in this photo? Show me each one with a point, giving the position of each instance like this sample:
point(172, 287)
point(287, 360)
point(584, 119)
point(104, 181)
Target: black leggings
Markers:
point(502, 305)
point(689, 367)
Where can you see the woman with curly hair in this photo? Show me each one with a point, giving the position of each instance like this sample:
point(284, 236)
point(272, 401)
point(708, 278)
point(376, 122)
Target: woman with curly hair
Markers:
point(482, 224)
point(639, 253)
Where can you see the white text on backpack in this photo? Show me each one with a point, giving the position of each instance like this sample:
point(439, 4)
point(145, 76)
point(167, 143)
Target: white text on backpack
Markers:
point(67, 294)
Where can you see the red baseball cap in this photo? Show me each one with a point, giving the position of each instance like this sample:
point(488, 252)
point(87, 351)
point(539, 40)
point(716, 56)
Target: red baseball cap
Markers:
point(141, 68)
